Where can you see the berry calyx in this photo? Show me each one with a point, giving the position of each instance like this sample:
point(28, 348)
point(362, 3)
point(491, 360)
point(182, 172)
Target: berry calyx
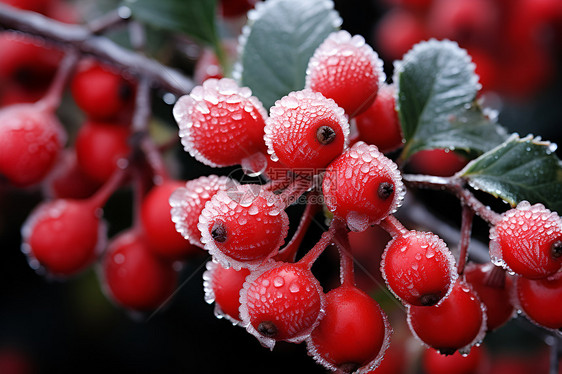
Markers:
point(440, 326)
point(354, 332)
point(243, 227)
point(281, 301)
point(527, 240)
point(306, 131)
point(188, 202)
point(362, 186)
point(220, 123)
point(540, 300)
point(418, 268)
point(346, 69)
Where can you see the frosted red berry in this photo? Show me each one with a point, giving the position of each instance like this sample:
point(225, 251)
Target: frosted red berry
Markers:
point(220, 123)
point(458, 323)
point(379, 124)
point(160, 230)
point(434, 362)
point(306, 131)
point(418, 268)
point(347, 70)
point(188, 201)
point(540, 300)
point(31, 139)
point(133, 277)
point(243, 227)
point(527, 240)
point(281, 301)
point(353, 334)
point(362, 186)
point(63, 236)
point(222, 286)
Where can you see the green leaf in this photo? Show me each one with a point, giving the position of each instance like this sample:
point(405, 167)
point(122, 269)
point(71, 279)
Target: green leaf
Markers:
point(519, 169)
point(278, 41)
point(436, 89)
point(195, 18)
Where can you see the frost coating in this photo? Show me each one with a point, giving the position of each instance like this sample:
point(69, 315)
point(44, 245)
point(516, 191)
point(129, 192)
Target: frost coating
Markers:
point(208, 287)
point(188, 202)
point(220, 123)
point(254, 222)
point(291, 130)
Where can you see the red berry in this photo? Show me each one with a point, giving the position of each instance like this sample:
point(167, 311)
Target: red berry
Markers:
point(243, 227)
point(496, 297)
point(31, 138)
point(419, 268)
point(207, 67)
point(160, 231)
point(457, 323)
point(379, 124)
point(102, 93)
point(527, 240)
point(100, 146)
point(63, 236)
point(398, 31)
point(354, 333)
point(362, 186)
point(39, 6)
point(133, 277)
point(222, 286)
point(236, 8)
point(541, 300)
point(281, 301)
point(438, 162)
point(436, 363)
point(220, 123)
point(188, 202)
point(347, 70)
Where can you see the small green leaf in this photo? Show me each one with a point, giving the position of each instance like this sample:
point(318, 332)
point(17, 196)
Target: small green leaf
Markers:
point(519, 169)
point(195, 18)
point(278, 41)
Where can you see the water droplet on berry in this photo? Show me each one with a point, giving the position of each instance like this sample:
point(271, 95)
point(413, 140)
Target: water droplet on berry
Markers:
point(294, 288)
point(278, 282)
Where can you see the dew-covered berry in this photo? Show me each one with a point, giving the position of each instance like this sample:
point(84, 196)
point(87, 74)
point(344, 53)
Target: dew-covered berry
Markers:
point(362, 186)
point(540, 300)
point(418, 268)
point(243, 227)
point(281, 301)
point(188, 201)
point(306, 131)
point(353, 334)
point(457, 323)
point(347, 70)
point(527, 240)
point(220, 123)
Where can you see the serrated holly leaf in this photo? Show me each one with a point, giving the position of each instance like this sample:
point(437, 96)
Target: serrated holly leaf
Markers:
point(195, 18)
point(436, 88)
point(278, 41)
point(519, 169)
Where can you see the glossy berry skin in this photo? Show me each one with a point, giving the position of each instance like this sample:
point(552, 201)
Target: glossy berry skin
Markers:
point(188, 202)
point(222, 286)
point(439, 326)
point(496, 297)
point(354, 333)
point(220, 123)
point(31, 139)
point(362, 186)
point(379, 124)
point(133, 277)
point(281, 301)
point(160, 231)
point(527, 240)
point(418, 268)
point(243, 227)
point(306, 131)
point(438, 162)
point(434, 362)
point(100, 146)
point(63, 236)
point(346, 69)
point(540, 300)
point(102, 93)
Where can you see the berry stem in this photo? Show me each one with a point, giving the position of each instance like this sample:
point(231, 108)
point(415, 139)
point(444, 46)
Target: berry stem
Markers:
point(110, 21)
point(466, 230)
point(341, 239)
point(316, 251)
point(297, 187)
point(99, 199)
point(393, 226)
point(53, 97)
